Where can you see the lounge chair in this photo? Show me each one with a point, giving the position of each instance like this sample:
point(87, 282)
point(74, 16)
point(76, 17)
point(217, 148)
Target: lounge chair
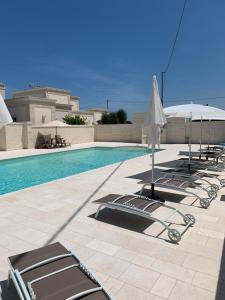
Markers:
point(194, 176)
point(145, 207)
point(195, 169)
point(44, 141)
point(61, 142)
point(200, 175)
point(216, 155)
point(215, 148)
point(54, 273)
point(202, 164)
point(179, 184)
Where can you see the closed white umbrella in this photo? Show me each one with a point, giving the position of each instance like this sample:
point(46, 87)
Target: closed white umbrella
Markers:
point(154, 120)
point(5, 117)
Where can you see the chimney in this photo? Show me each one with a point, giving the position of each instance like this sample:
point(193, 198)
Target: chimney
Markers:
point(2, 90)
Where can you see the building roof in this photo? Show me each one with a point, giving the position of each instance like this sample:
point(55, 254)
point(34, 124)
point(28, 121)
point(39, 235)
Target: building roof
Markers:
point(98, 109)
point(74, 98)
point(29, 99)
point(82, 112)
point(44, 89)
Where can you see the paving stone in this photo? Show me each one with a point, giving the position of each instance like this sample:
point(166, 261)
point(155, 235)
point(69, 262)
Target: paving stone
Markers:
point(173, 255)
point(104, 247)
point(125, 254)
point(132, 293)
point(143, 260)
point(163, 286)
point(173, 270)
point(158, 298)
point(108, 264)
point(202, 264)
point(113, 284)
point(184, 291)
point(197, 239)
point(140, 277)
point(205, 281)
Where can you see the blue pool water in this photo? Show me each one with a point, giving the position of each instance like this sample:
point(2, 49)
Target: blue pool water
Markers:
point(19, 173)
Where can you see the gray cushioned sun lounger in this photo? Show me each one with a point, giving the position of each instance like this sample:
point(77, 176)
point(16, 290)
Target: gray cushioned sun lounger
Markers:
point(194, 176)
point(145, 207)
point(216, 156)
point(196, 164)
point(199, 163)
point(53, 272)
point(199, 175)
point(205, 154)
point(184, 186)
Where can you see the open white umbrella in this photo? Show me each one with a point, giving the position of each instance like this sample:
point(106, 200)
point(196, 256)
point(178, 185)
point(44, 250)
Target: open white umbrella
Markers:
point(154, 120)
point(195, 112)
point(198, 112)
point(56, 124)
point(5, 117)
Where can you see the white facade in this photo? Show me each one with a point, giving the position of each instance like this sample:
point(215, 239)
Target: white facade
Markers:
point(43, 105)
point(2, 90)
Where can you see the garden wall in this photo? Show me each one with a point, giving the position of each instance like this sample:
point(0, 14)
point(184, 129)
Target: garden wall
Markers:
point(24, 135)
point(128, 133)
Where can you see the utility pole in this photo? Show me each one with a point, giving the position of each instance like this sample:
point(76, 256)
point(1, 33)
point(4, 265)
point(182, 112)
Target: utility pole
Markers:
point(107, 104)
point(162, 86)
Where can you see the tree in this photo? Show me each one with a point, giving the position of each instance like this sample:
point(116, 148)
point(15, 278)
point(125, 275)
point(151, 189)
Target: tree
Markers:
point(112, 118)
point(74, 120)
point(104, 118)
point(118, 117)
point(121, 116)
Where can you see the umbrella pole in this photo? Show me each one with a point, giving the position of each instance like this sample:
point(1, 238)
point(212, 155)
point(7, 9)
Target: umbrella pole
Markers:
point(153, 165)
point(201, 138)
point(190, 133)
point(209, 133)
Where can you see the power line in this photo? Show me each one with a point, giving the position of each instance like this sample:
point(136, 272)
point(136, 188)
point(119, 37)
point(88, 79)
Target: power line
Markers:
point(172, 100)
point(198, 99)
point(128, 101)
point(163, 74)
point(176, 37)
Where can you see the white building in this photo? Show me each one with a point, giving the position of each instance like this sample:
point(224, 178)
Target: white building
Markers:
point(41, 105)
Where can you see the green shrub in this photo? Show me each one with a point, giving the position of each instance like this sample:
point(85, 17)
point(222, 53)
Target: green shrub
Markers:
point(74, 120)
point(118, 117)
point(121, 116)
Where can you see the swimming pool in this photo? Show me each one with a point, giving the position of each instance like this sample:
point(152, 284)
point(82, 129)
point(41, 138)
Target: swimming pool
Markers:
point(20, 173)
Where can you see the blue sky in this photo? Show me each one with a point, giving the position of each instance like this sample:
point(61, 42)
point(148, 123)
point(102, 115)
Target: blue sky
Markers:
point(109, 49)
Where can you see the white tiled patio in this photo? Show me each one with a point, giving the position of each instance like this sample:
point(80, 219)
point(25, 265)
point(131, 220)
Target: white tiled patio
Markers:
point(127, 253)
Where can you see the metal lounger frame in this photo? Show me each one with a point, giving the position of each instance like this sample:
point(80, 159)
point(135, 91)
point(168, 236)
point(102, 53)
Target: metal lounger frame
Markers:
point(175, 174)
point(208, 165)
point(220, 183)
point(22, 290)
point(214, 155)
point(141, 212)
point(179, 189)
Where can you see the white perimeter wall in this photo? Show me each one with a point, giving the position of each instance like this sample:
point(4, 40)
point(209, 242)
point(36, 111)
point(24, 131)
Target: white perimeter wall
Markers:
point(24, 135)
point(129, 133)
